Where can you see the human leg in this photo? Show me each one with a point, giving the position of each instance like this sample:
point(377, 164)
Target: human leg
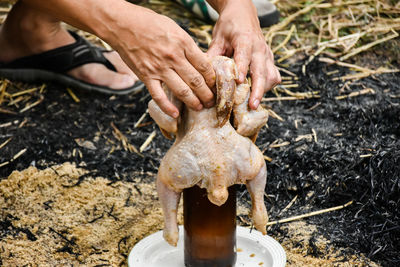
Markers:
point(28, 31)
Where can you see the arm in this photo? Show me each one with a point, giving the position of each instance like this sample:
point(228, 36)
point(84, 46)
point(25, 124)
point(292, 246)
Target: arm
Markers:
point(152, 45)
point(237, 32)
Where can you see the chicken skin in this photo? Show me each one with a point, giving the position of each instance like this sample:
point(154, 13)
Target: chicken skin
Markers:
point(247, 122)
point(210, 153)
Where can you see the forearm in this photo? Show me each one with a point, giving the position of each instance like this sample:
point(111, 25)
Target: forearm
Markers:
point(102, 18)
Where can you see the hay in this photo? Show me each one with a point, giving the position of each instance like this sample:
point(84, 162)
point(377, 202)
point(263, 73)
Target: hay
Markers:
point(336, 28)
point(46, 221)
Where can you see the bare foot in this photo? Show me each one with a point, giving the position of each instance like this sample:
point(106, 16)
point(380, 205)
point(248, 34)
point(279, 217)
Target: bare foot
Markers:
point(98, 74)
point(33, 42)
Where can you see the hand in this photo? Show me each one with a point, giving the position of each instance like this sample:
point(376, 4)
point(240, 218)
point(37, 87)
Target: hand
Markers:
point(237, 32)
point(158, 50)
point(153, 46)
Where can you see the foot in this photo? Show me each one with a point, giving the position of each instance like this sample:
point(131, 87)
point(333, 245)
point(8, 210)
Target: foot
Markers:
point(266, 11)
point(33, 42)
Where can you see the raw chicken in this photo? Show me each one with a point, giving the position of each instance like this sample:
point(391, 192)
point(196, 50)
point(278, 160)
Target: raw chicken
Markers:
point(210, 153)
point(247, 122)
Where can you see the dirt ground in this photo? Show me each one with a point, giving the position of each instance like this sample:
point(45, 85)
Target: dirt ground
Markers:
point(50, 222)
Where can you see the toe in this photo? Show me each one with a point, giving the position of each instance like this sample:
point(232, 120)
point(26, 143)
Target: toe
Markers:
point(128, 78)
point(121, 81)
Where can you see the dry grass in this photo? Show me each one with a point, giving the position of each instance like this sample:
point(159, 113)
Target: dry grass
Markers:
point(339, 29)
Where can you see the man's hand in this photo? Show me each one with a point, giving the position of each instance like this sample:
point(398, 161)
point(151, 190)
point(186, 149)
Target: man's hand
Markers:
point(158, 50)
point(152, 45)
point(237, 32)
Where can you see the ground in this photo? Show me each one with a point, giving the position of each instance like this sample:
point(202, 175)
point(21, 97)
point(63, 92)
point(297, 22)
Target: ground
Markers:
point(77, 184)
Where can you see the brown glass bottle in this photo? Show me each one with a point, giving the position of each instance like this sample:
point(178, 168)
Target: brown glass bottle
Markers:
point(210, 230)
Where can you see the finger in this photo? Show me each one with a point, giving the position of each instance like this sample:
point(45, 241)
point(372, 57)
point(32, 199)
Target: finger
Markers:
point(258, 79)
point(201, 62)
point(242, 57)
point(182, 91)
point(273, 76)
point(159, 96)
point(216, 48)
point(196, 82)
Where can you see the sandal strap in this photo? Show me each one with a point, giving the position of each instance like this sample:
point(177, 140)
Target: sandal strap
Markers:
point(64, 58)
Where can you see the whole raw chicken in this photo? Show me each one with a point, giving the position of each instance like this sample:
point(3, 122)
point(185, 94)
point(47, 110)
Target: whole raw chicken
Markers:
point(210, 153)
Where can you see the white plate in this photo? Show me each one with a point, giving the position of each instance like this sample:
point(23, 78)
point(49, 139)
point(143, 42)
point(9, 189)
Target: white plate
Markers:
point(253, 249)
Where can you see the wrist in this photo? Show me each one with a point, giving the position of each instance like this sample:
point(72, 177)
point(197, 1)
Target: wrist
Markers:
point(242, 14)
point(221, 6)
point(109, 17)
point(118, 19)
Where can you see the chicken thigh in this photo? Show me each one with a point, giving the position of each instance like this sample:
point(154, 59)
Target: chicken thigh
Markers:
point(210, 153)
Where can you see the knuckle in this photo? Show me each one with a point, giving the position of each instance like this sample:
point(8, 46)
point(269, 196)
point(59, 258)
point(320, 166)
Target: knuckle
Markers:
point(263, 49)
point(184, 93)
point(157, 98)
point(196, 81)
point(205, 67)
point(245, 36)
point(170, 55)
point(142, 68)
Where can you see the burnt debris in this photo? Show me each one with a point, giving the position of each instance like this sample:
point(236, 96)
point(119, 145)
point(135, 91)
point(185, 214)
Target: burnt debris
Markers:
point(326, 150)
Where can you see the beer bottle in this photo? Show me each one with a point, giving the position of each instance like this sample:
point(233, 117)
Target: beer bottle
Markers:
point(210, 230)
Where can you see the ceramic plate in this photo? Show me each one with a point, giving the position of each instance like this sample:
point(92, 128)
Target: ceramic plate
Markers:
point(253, 249)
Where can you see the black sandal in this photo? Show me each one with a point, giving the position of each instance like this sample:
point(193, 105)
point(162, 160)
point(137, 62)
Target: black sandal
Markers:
point(52, 66)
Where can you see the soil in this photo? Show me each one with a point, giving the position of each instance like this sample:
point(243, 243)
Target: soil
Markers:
point(49, 222)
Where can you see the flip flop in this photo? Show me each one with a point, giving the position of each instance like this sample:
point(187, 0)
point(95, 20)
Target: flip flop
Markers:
point(267, 12)
point(53, 65)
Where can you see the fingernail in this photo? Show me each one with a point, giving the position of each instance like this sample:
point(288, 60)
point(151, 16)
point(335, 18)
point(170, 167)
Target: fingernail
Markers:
point(175, 114)
point(256, 103)
point(199, 107)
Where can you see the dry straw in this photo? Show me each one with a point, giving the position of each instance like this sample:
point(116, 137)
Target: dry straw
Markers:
point(340, 29)
point(299, 217)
